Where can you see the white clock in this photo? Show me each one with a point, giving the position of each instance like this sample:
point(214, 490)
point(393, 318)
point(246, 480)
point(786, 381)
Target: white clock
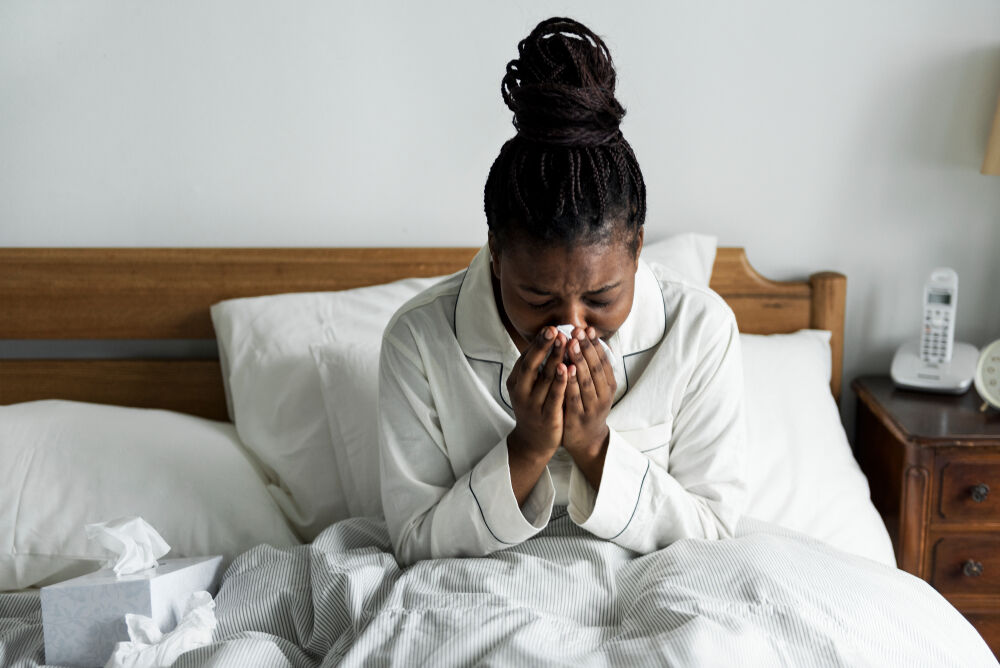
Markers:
point(988, 375)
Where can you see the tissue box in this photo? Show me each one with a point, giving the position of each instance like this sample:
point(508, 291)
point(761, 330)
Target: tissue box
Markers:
point(84, 618)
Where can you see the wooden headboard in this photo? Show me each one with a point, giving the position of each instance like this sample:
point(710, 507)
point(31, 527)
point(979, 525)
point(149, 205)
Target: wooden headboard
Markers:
point(165, 293)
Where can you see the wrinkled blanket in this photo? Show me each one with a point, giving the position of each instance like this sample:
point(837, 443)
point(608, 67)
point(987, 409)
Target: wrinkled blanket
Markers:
point(767, 597)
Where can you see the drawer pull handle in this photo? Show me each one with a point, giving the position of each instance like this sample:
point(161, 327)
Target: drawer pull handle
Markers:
point(973, 568)
point(980, 492)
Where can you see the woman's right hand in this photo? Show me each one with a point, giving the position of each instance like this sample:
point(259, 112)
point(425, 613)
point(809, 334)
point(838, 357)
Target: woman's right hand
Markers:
point(536, 394)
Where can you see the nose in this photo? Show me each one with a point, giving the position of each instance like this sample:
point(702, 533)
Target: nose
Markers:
point(573, 314)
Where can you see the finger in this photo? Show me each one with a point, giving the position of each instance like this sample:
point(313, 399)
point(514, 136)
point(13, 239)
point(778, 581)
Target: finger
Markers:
point(515, 373)
point(573, 404)
point(557, 391)
point(599, 365)
point(547, 374)
point(538, 349)
point(605, 358)
point(522, 381)
point(584, 374)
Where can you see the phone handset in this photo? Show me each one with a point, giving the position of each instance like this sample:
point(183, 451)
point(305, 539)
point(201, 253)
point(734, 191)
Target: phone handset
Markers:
point(937, 337)
point(936, 363)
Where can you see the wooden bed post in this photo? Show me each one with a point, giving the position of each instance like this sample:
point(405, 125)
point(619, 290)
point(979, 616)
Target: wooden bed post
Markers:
point(829, 298)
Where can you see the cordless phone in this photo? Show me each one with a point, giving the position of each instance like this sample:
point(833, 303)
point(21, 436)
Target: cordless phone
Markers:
point(938, 333)
point(936, 362)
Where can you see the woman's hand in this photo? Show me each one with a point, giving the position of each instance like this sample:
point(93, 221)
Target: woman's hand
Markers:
point(537, 391)
point(589, 395)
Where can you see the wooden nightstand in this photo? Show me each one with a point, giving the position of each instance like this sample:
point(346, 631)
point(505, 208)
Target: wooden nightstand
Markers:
point(933, 466)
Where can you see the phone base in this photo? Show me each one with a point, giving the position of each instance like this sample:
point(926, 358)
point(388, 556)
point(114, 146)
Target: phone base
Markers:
point(912, 373)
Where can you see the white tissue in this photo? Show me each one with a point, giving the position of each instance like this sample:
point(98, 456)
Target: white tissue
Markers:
point(149, 648)
point(132, 543)
point(568, 331)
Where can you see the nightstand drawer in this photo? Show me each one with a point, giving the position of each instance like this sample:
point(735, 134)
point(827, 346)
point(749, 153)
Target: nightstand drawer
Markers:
point(967, 565)
point(988, 625)
point(970, 490)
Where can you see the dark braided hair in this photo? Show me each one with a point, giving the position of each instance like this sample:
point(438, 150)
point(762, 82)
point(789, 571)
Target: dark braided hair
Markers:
point(568, 176)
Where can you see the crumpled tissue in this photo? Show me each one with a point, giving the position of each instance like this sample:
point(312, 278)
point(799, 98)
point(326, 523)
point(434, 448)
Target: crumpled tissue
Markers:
point(133, 544)
point(567, 330)
point(150, 648)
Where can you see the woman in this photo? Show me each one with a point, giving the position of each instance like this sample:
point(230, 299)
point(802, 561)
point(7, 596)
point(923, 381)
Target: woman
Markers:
point(491, 416)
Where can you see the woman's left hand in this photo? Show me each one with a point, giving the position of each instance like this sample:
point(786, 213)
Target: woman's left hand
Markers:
point(589, 395)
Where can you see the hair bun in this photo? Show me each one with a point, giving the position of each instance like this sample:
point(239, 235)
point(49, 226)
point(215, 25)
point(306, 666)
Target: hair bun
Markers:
point(561, 87)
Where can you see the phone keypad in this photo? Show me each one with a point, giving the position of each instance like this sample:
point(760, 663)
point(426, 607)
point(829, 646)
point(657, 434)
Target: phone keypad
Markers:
point(934, 342)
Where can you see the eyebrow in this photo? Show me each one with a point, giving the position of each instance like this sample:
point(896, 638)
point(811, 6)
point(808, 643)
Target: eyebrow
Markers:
point(545, 293)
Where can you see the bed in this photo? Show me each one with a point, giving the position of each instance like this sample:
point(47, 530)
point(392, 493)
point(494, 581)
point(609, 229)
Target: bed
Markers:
point(205, 449)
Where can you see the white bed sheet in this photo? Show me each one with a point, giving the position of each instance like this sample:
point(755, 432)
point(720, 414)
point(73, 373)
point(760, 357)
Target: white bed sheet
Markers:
point(769, 597)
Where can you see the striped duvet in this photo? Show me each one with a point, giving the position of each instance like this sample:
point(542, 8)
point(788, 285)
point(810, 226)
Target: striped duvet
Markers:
point(768, 597)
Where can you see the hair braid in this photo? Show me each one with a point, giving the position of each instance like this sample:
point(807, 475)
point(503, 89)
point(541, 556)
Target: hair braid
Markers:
point(598, 183)
point(573, 178)
point(568, 175)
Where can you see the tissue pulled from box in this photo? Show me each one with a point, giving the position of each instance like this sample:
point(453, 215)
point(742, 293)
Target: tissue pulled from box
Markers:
point(567, 331)
point(133, 545)
point(150, 648)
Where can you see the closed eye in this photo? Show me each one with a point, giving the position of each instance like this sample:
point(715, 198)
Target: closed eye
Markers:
point(541, 306)
point(598, 304)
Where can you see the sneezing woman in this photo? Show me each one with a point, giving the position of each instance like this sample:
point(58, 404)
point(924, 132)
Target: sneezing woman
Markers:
point(560, 373)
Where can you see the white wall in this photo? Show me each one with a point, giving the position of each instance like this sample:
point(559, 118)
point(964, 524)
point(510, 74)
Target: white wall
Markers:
point(839, 134)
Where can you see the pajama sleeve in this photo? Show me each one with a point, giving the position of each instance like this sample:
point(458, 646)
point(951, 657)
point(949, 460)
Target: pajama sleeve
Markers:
point(430, 510)
point(695, 488)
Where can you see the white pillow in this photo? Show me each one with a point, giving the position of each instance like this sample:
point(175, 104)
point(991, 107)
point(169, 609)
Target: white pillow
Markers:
point(690, 255)
point(349, 377)
point(274, 393)
point(66, 464)
point(276, 399)
point(800, 470)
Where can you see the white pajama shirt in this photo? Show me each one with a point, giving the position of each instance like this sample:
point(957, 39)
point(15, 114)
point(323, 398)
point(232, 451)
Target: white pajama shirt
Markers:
point(674, 464)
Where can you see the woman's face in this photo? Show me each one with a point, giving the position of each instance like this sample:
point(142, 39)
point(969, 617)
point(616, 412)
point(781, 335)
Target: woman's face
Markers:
point(589, 285)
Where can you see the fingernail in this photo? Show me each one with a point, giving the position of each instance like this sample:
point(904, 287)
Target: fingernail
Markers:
point(592, 333)
point(576, 347)
point(548, 334)
point(558, 343)
point(559, 371)
point(572, 369)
